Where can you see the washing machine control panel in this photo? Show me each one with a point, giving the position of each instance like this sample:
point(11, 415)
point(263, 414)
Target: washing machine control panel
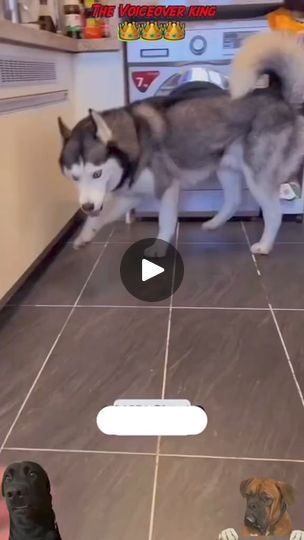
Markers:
point(208, 42)
point(198, 45)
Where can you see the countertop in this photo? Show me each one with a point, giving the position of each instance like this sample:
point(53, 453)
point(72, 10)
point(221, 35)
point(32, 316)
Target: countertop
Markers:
point(19, 34)
point(22, 35)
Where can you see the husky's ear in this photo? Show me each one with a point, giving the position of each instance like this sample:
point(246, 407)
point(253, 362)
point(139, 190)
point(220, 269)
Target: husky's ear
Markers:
point(102, 129)
point(65, 132)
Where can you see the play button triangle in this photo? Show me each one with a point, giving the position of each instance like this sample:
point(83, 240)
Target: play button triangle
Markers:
point(149, 270)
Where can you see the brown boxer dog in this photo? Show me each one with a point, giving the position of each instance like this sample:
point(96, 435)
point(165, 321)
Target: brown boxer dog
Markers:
point(266, 511)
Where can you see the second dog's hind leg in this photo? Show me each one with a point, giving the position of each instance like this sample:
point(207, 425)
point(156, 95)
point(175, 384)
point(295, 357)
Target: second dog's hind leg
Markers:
point(231, 181)
point(114, 208)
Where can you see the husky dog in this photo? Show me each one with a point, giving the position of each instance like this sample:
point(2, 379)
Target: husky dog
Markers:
point(156, 147)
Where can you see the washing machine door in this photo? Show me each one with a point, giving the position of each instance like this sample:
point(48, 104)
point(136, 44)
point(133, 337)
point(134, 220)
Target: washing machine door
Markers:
point(192, 76)
point(148, 81)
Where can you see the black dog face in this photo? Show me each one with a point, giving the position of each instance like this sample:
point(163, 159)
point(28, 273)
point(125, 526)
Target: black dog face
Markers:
point(26, 488)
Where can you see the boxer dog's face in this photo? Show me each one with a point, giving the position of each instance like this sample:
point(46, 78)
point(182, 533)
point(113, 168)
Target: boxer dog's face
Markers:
point(266, 500)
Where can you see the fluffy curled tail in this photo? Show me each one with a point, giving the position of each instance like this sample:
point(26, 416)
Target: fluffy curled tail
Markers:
point(276, 53)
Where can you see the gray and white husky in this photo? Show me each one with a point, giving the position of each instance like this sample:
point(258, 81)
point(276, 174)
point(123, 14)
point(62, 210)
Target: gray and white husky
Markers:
point(156, 147)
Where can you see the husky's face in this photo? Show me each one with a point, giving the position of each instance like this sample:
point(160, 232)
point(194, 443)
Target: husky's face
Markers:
point(85, 160)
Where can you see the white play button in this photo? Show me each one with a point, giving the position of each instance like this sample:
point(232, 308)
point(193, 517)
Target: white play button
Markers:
point(149, 270)
point(147, 278)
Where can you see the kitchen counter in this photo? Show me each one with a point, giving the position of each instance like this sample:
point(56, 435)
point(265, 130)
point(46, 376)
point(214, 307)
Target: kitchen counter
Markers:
point(19, 34)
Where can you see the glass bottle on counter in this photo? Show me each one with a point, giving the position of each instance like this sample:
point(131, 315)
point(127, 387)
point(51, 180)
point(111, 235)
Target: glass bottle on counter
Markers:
point(72, 19)
point(45, 20)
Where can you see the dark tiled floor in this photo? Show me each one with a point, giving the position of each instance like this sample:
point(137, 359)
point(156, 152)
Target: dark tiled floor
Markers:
point(105, 288)
point(102, 355)
point(282, 273)
point(26, 337)
point(60, 282)
point(232, 363)
point(193, 232)
point(225, 349)
point(289, 232)
point(291, 325)
point(219, 275)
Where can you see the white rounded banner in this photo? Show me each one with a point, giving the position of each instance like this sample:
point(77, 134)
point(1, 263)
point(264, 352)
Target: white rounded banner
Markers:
point(152, 418)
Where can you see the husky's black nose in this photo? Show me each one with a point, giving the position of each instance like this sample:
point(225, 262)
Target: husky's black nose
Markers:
point(87, 207)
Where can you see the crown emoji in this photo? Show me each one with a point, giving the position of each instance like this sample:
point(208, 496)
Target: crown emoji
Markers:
point(175, 31)
point(152, 32)
point(128, 31)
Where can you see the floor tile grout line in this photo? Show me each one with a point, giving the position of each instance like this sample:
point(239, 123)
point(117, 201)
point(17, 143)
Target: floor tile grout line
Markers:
point(90, 306)
point(276, 324)
point(154, 489)
point(155, 478)
point(284, 346)
point(253, 258)
point(194, 242)
point(117, 306)
point(94, 268)
point(169, 321)
point(77, 451)
point(151, 454)
point(232, 458)
point(29, 393)
point(208, 242)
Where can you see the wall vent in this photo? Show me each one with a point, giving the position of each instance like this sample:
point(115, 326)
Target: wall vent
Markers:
point(25, 72)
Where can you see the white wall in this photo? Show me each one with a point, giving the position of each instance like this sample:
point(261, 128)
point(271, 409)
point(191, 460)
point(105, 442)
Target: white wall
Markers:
point(99, 81)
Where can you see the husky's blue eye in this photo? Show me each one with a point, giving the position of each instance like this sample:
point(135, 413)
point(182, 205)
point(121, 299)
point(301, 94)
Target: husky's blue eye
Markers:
point(97, 174)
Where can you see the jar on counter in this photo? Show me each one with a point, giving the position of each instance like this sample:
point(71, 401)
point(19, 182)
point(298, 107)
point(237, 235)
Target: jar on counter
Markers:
point(45, 20)
point(95, 27)
point(72, 19)
point(92, 29)
point(105, 28)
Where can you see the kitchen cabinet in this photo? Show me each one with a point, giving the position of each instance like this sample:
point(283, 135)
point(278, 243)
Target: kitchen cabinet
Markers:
point(43, 76)
point(36, 201)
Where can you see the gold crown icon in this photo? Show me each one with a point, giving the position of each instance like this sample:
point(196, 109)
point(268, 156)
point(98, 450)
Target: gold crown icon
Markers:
point(175, 31)
point(128, 31)
point(151, 31)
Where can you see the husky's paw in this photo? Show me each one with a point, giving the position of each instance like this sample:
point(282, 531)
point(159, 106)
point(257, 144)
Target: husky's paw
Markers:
point(260, 249)
point(210, 225)
point(129, 217)
point(81, 240)
point(158, 250)
point(229, 534)
point(297, 535)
